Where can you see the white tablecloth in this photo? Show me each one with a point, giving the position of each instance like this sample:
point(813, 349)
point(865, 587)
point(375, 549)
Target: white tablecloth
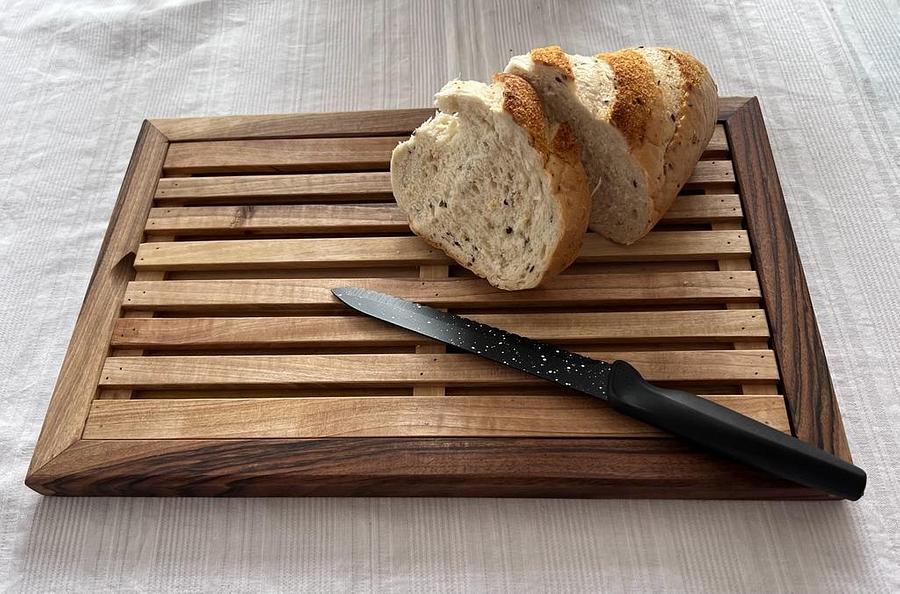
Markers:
point(76, 79)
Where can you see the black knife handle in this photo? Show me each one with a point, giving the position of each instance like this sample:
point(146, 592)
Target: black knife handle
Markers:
point(732, 434)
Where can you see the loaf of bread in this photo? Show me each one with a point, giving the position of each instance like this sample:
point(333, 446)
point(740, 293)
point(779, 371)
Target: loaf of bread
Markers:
point(494, 183)
point(643, 117)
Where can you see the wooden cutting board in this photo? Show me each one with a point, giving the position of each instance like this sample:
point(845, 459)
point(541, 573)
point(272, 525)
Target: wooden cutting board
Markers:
point(210, 357)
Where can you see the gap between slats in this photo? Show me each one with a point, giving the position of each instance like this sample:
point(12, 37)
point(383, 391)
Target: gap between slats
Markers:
point(455, 271)
point(542, 389)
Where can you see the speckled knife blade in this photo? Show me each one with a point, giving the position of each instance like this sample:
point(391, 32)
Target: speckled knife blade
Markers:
point(536, 358)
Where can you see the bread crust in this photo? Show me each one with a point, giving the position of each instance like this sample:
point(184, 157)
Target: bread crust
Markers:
point(569, 188)
point(521, 101)
point(636, 95)
point(562, 166)
point(694, 126)
point(554, 56)
point(664, 138)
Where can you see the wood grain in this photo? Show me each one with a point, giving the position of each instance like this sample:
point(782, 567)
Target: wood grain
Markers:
point(425, 345)
point(299, 398)
point(397, 122)
point(704, 209)
point(248, 190)
point(672, 326)
point(812, 405)
point(289, 154)
point(324, 219)
point(717, 148)
point(311, 218)
point(716, 174)
point(134, 313)
point(254, 190)
point(293, 125)
point(408, 369)
point(728, 106)
point(319, 155)
point(77, 382)
point(484, 467)
point(574, 290)
point(363, 251)
point(403, 416)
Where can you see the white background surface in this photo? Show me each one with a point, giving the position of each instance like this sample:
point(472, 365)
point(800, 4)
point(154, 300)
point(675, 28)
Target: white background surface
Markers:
point(75, 83)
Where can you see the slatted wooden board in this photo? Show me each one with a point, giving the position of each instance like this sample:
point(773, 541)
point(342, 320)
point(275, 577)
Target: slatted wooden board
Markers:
point(210, 357)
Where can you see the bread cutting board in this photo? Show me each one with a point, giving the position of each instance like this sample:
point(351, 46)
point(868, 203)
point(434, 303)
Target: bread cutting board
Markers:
point(210, 357)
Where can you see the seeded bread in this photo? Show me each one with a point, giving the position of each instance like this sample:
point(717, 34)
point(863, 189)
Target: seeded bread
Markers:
point(643, 117)
point(494, 184)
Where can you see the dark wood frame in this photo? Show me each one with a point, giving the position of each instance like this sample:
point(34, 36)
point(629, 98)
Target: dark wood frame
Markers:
point(66, 464)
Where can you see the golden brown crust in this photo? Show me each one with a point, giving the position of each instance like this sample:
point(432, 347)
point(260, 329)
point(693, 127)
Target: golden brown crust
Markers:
point(568, 183)
point(564, 141)
point(692, 71)
point(553, 56)
point(521, 101)
point(636, 94)
point(695, 122)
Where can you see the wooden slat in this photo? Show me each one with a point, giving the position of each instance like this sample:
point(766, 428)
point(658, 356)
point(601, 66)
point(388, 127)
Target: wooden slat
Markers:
point(606, 268)
point(703, 208)
point(308, 218)
point(404, 369)
point(316, 273)
point(718, 144)
point(248, 189)
point(296, 125)
point(352, 123)
point(364, 251)
point(719, 325)
point(286, 253)
point(712, 173)
point(374, 186)
point(542, 389)
point(281, 155)
point(573, 290)
point(419, 416)
point(328, 154)
point(364, 218)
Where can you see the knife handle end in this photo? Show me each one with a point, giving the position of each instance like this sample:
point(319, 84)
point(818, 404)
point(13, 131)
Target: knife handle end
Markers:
point(732, 434)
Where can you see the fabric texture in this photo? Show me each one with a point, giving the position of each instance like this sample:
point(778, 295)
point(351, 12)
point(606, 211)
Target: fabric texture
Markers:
point(77, 79)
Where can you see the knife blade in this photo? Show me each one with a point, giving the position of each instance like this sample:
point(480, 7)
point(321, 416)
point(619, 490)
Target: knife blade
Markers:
point(701, 421)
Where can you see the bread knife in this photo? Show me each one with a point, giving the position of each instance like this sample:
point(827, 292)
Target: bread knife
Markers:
point(701, 421)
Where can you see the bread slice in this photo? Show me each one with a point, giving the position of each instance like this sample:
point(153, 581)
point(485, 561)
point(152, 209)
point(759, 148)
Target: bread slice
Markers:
point(642, 116)
point(494, 184)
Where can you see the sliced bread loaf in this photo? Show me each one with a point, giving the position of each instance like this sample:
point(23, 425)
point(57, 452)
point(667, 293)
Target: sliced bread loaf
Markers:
point(642, 116)
point(494, 184)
